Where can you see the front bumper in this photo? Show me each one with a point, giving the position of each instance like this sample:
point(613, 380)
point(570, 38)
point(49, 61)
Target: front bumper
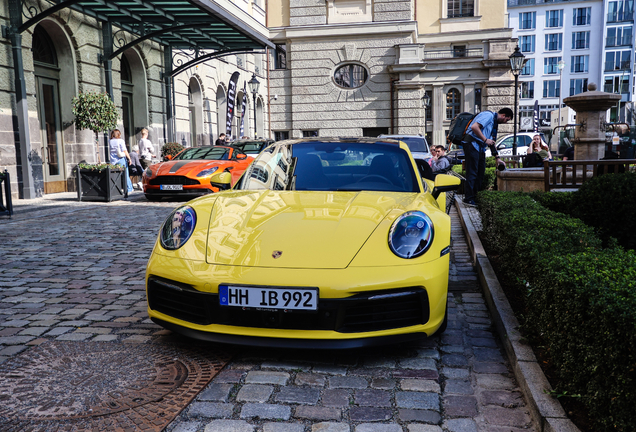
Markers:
point(183, 297)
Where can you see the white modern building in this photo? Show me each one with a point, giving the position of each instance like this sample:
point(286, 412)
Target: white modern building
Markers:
point(563, 42)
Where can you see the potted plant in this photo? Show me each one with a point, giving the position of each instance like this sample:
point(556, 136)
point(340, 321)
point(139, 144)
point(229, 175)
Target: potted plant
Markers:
point(101, 182)
point(170, 150)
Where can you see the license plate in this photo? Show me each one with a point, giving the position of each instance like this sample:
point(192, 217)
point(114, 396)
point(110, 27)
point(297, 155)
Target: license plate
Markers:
point(171, 187)
point(269, 298)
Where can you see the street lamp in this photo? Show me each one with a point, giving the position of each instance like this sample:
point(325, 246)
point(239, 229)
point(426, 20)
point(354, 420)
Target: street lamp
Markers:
point(254, 83)
point(426, 101)
point(516, 63)
point(561, 65)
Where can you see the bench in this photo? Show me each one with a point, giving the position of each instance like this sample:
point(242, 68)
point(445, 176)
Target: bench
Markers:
point(578, 171)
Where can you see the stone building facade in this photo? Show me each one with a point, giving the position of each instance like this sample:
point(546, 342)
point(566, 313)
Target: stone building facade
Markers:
point(363, 67)
point(62, 55)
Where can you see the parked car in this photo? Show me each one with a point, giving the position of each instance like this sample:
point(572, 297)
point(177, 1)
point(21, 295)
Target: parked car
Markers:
point(251, 147)
point(504, 143)
point(309, 249)
point(194, 172)
point(417, 144)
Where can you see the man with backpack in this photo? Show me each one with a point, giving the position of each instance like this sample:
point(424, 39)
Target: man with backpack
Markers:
point(481, 133)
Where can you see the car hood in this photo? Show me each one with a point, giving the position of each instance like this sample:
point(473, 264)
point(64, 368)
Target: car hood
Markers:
point(286, 229)
point(187, 167)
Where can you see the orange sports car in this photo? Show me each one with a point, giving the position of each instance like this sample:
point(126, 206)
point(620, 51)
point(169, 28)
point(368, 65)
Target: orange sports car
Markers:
point(194, 172)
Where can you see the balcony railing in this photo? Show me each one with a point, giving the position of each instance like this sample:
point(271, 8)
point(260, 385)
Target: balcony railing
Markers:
point(618, 41)
point(613, 17)
point(532, 2)
point(453, 53)
point(612, 66)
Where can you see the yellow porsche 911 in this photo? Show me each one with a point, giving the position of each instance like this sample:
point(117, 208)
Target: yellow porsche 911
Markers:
point(314, 247)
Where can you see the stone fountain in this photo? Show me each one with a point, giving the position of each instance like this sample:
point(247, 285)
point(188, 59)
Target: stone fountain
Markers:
point(591, 108)
point(589, 139)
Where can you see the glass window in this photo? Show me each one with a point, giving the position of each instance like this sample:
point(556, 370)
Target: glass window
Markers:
point(429, 110)
point(527, 20)
point(581, 16)
point(554, 18)
point(619, 11)
point(528, 68)
point(617, 60)
point(527, 43)
point(580, 63)
point(551, 88)
point(280, 59)
point(43, 48)
point(350, 76)
point(453, 103)
point(461, 8)
point(310, 133)
point(281, 135)
point(208, 153)
point(578, 86)
point(551, 65)
point(613, 84)
point(527, 90)
point(554, 42)
point(619, 36)
point(581, 40)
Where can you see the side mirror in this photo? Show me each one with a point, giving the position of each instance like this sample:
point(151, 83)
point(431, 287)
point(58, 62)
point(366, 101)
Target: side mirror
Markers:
point(241, 156)
point(501, 146)
point(223, 180)
point(445, 183)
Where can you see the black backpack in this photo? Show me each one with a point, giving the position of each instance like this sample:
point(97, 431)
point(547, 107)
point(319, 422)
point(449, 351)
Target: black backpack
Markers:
point(533, 160)
point(459, 126)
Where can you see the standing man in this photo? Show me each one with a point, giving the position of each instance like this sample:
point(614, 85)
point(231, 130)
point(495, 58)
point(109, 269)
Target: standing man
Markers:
point(482, 133)
point(220, 140)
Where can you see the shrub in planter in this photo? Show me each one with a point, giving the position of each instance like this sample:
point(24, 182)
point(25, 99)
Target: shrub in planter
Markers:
point(608, 203)
point(584, 306)
point(171, 149)
point(100, 182)
point(95, 111)
point(560, 202)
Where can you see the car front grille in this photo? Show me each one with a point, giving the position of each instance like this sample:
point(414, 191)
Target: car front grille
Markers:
point(173, 180)
point(379, 310)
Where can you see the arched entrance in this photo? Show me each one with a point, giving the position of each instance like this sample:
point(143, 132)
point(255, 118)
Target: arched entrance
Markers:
point(134, 99)
point(52, 59)
point(195, 107)
point(221, 108)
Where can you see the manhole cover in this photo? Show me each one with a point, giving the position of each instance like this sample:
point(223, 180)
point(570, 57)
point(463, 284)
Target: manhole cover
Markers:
point(100, 386)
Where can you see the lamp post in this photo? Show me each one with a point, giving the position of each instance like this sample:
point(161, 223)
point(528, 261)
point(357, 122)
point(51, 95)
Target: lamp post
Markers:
point(254, 83)
point(516, 63)
point(426, 101)
point(561, 65)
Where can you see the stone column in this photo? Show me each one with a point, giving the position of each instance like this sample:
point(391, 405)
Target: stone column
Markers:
point(438, 105)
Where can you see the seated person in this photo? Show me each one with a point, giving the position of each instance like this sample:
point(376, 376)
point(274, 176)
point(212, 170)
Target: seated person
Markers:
point(537, 145)
point(440, 162)
point(568, 154)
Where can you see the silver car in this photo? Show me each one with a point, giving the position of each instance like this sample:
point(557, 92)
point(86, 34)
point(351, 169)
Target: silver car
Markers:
point(417, 144)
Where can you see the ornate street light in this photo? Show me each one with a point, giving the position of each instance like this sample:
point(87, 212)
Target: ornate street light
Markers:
point(254, 83)
point(516, 63)
point(426, 103)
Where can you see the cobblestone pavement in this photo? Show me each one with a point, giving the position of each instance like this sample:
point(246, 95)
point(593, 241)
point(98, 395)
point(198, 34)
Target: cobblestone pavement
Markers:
point(75, 272)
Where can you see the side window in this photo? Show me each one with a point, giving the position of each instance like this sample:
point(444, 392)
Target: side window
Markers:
point(507, 142)
point(527, 140)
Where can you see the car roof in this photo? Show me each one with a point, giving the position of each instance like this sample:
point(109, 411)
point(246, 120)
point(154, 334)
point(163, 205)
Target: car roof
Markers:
point(367, 140)
point(401, 136)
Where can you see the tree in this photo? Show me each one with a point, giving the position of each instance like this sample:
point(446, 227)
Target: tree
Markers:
point(96, 112)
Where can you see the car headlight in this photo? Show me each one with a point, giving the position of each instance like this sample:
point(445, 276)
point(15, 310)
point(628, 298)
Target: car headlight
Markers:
point(178, 228)
point(148, 172)
point(411, 235)
point(207, 172)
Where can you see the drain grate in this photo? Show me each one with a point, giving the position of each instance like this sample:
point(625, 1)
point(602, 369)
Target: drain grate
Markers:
point(102, 386)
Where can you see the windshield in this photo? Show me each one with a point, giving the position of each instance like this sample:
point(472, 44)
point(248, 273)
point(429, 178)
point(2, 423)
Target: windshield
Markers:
point(253, 147)
point(207, 153)
point(416, 144)
point(332, 166)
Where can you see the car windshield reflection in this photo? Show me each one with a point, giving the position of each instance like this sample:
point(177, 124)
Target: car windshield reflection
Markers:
point(332, 166)
point(207, 153)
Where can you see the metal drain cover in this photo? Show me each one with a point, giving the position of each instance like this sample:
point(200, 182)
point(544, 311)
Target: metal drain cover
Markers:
point(79, 385)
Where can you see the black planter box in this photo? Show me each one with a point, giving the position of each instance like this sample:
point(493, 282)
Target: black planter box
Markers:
point(104, 185)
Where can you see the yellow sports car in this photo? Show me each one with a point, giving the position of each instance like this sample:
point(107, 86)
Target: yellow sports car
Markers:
point(311, 248)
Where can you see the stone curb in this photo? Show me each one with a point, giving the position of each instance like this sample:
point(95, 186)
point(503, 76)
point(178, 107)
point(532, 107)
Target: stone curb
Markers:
point(546, 411)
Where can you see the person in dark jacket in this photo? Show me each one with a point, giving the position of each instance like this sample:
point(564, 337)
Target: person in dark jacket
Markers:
point(221, 140)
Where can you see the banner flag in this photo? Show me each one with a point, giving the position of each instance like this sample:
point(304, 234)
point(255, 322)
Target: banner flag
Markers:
point(536, 115)
point(231, 100)
point(243, 105)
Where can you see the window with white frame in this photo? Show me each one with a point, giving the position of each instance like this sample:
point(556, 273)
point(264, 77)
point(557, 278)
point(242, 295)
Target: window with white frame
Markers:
point(453, 103)
point(580, 63)
point(527, 90)
point(527, 43)
point(554, 18)
point(551, 65)
point(581, 16)
point(613, 84)
point(551, 88)
point(581, 40)
point(527, 20)
point(620, 11)
point(617, 60)
point(528, 68)
point(461, 8)
point(554, 42)
point(619, 36)
point(577, 86)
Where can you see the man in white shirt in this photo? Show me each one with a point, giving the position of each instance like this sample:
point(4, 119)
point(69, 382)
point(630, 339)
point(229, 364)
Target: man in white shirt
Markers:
point(146, 149)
